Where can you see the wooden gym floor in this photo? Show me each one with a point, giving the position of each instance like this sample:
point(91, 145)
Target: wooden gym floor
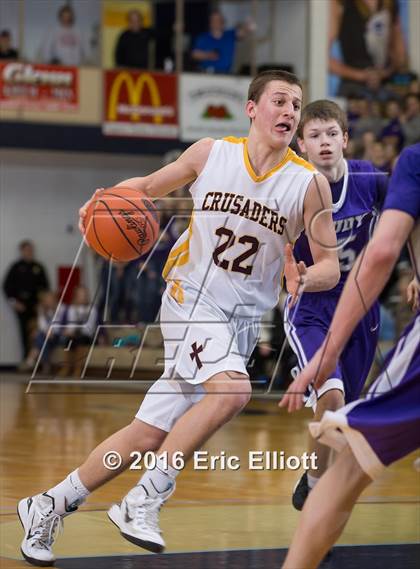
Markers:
point(216, 519)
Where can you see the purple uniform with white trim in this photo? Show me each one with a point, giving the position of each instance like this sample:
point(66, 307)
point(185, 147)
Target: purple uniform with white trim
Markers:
point(357, 198)
point(385, 426)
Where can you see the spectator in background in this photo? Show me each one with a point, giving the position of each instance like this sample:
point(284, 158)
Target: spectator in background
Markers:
point(367, 121)
point(64, 45)
point(392, 132)
point(411, 119)
point(47, 316)
point(414, 87)
point(372, 45)
point(368, 140)
point(143, 294)
point(376, 109)
point(132, 49)
point(376, 154)
point(81, 323)
point(24, 281)
point(353, 114)
point(214, 50)
point(112, 303)
point(6, 49)
point(391, 154)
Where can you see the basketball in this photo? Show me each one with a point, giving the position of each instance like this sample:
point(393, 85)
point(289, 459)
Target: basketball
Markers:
point(122, 224)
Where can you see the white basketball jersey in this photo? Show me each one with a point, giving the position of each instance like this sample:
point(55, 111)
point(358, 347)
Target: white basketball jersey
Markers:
point(233, 250)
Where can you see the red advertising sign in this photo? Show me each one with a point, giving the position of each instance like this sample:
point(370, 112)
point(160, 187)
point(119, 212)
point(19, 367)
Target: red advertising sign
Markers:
point(36, 86)
point(140, 103)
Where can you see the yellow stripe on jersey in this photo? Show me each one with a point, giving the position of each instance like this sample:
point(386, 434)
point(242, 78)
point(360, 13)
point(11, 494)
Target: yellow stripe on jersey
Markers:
point(177, 292)
point(180, 249)
point(287, 158)
point(235, 139)
point(175, 262)
point(179, 256)
point(290, 156)
point(302, 162)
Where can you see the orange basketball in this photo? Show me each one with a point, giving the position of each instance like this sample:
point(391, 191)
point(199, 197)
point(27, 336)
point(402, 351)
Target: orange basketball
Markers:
point(121, 224)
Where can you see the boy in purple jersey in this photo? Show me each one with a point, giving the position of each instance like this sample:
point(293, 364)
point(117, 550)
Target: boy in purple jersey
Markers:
point(357, 191)
point(374, 432)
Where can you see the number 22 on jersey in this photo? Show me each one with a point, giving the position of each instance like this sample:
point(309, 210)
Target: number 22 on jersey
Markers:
point(228, 239)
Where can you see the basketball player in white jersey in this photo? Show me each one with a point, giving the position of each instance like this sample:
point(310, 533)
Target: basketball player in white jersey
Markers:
point(252, 199)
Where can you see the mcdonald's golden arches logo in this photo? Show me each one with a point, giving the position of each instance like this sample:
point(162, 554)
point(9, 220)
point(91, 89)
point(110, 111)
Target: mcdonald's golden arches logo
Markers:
point(135, 87)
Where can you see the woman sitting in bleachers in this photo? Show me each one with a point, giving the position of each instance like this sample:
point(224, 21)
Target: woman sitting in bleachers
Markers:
point(47, 334)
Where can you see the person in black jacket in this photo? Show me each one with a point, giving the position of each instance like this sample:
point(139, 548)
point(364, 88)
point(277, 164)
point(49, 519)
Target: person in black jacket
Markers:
point(24, 280)
point(6, 49)
point(132, 49)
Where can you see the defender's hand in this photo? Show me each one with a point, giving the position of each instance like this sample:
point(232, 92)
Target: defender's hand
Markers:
point(316, 371)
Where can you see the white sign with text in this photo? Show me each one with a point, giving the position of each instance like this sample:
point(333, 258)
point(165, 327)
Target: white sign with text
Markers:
point(213, 105)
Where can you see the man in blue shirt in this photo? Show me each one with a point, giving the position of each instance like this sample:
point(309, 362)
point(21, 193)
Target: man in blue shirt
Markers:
point(214, 50)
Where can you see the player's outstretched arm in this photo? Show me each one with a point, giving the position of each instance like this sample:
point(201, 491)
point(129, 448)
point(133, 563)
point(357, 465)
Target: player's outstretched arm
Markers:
point(365, 282)
point(175, 175)
point(370, 273)
point(319, 227)
point(169, 178)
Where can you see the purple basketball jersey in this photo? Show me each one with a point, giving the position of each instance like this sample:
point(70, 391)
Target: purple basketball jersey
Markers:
point(404, 195)
point(385, 426)
point(357, 198)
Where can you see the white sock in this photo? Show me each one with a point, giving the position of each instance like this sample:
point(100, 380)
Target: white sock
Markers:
point(160, 479)
point(312, 481)
point(68, 494)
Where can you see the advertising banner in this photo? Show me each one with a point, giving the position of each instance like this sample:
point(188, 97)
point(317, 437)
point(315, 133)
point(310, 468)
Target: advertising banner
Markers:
point(38, 87)
point(213, 105)
point(139, 103)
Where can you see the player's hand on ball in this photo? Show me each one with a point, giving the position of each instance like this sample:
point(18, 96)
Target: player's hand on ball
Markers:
point(294, 273)
point(119, 223)
point(82, 213)
point(316, 372)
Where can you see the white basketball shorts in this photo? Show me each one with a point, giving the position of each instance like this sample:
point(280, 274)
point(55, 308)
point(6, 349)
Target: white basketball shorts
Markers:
point(200, 340)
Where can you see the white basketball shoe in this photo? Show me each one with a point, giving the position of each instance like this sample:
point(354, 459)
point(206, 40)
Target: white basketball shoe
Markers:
point(137, 518)
point(41, 525)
